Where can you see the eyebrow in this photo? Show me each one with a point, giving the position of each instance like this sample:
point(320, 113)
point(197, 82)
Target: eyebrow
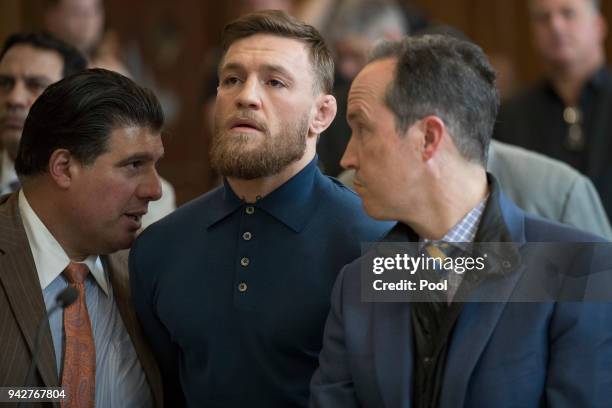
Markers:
point(264, 67)
point(41, 78)
point(141, 156)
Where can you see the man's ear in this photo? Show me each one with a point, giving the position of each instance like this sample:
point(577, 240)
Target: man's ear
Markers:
point(62, 167)
point(326, 109)
point(433, 129)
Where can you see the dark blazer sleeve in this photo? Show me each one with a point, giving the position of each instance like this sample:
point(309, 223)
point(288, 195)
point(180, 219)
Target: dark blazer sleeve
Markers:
point(580, 355)
point(332, 385)
point(165, 351)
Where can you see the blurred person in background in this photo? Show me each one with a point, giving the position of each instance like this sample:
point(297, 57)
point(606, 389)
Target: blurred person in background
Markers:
point(568, 115)
point(29, 62)
point(356, 27)
point(77, 22)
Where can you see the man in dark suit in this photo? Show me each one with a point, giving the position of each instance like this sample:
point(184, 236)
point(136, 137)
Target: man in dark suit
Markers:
point(422, 112)
point(86, 162)
point(566, 115)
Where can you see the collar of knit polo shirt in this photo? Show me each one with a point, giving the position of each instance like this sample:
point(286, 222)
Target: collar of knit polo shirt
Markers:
point(79, 371)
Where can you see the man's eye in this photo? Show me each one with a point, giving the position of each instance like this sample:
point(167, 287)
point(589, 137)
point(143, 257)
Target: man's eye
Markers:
point(134, 165)
point(36, 86)
point(6, 83)
point(568, 13)
point(276, 83)
point(230, 81)
point(541, 18)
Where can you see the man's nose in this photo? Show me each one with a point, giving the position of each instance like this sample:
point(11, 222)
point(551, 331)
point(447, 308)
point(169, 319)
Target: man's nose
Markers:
point(249, 95)
point(18, 96)
point(349, 158)
point(556, 22)
point(150, 189)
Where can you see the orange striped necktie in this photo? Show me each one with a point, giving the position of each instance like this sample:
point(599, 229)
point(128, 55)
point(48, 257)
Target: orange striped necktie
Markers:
point(79, 372)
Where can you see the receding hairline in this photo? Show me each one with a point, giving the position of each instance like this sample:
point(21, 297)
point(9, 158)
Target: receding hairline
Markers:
point(392, 60)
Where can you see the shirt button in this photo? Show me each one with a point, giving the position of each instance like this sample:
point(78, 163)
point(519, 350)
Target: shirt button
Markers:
point(247, 236)
point(245, 261)
point(250, 210)
point(242, 287)
point(426, 360)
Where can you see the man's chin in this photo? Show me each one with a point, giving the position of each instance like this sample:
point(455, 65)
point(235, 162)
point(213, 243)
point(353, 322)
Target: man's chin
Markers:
point(375, 210)
point(561, 58)
point(9, 140)
point(120, 243)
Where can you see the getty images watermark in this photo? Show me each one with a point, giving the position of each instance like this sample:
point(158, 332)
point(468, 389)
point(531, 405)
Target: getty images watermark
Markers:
point(486, 272)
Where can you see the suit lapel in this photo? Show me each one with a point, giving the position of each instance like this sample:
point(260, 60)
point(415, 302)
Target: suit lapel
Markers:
point(119, 278)
point(20, 280)
point(502, 222)
point(474, 327)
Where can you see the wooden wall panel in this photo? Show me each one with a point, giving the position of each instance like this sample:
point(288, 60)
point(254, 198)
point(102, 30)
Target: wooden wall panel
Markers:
point(10, 17)
point(175, 36)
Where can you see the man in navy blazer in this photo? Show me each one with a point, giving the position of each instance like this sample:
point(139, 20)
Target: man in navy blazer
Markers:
point(421, 114)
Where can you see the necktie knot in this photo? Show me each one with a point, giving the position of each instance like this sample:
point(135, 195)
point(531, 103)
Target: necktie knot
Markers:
point(76, 273)
point(439, 250)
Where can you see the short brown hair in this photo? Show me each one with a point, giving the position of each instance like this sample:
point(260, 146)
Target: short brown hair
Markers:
point(279, 23)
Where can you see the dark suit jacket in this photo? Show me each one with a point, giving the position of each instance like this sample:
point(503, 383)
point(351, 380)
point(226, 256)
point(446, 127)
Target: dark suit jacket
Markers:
point(500, 354)
point(22, 307)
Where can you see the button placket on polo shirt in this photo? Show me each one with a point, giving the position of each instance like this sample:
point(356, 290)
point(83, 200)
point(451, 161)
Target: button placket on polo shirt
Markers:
point(245, 264)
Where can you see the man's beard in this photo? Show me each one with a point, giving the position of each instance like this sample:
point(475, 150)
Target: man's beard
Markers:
point(232, 156)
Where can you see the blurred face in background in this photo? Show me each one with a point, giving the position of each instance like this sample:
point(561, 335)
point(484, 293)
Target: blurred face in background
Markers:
point(351, 55)
point(265, 105)
point(567, 32)
point(77, 22)
point(25, 72)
